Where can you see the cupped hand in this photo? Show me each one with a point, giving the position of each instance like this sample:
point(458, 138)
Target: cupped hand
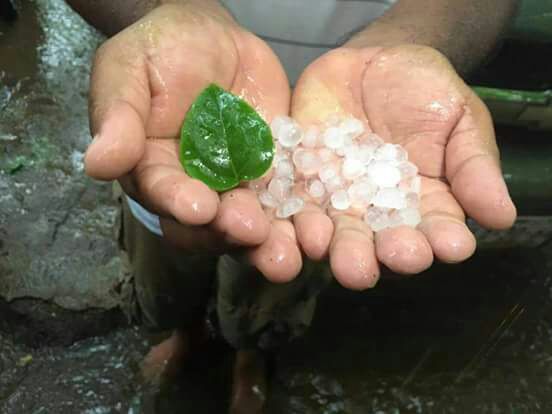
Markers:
point(143, 81)
point(412, 96)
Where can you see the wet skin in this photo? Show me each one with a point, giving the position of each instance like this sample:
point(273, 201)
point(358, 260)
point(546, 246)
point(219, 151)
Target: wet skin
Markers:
point(409, 95)
point(145, 78)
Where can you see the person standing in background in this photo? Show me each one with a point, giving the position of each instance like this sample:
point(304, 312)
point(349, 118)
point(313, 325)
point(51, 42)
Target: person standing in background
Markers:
point(398, 66)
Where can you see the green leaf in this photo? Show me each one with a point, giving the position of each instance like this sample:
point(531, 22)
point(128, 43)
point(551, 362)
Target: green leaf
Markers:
point(224, 141)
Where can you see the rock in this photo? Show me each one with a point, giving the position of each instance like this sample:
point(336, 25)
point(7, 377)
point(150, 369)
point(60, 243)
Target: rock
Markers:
point(57, 227)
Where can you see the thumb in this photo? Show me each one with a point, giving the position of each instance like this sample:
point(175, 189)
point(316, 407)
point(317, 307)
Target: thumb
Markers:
point(473, 169)
point(119, 108)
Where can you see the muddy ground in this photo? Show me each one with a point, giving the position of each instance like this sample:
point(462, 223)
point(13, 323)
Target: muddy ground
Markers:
point(472, 338)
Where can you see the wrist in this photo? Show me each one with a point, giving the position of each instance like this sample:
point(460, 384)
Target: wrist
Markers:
point(111, 17)
point(384, 35)
point(465, 31)
point(212, 7)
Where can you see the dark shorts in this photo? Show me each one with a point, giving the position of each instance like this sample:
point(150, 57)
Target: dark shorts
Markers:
point(173, 290)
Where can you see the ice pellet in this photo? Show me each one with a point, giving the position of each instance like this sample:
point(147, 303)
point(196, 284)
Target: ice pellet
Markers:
point(281, 154)
point(377, 218)
point(287, 131)
point(310, 138)
point(389, 198)
point(410, 216)
point(416, 185)
point(327, 172)
point(291, 206)
point(267, 199)
point(344, 167)
point(334, 138)
point(366, 153)
point(391, 152)
point(347, 142)
point(362, 192)
point(352, 127)
point(335, 183)
point(352, 151)
point(384, 174)
point(306, 161)
point(326, 155)
point(280, 122)
point(412, 200)
point(284, 169)
point(352, 169)
point(340, 200)
point(373, 140)
point(280, 188)
point(395, 219)
point(316, 189)
point(407, 169)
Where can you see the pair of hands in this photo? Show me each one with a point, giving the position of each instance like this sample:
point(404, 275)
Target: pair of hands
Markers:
point(145, 78)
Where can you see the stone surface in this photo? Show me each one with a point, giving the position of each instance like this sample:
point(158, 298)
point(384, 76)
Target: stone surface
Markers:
point(57, 227)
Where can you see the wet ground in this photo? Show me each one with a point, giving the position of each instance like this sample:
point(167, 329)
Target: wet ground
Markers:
point(472, 338)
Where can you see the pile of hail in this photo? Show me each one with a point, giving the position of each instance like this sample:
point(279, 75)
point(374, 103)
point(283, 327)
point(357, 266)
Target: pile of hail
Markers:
point(341, 166)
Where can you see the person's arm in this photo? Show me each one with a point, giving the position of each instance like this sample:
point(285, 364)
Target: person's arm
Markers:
point(465, 31)
point(110, 16)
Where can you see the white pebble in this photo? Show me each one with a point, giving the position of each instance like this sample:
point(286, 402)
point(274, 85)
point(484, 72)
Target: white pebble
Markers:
point(291, 206)
point(287, 131)
point(384, 174)
point(280, 188)
point(284, 169)
point(340, 200)
point(352, 127)
point(389, 198)
point(306, 161)
point(316, 189)
point(267, 199)
point(361, 192)
point(333, 138)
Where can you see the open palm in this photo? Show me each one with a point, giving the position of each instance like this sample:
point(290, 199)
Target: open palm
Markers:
point(143, 81)
point(409, 95)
